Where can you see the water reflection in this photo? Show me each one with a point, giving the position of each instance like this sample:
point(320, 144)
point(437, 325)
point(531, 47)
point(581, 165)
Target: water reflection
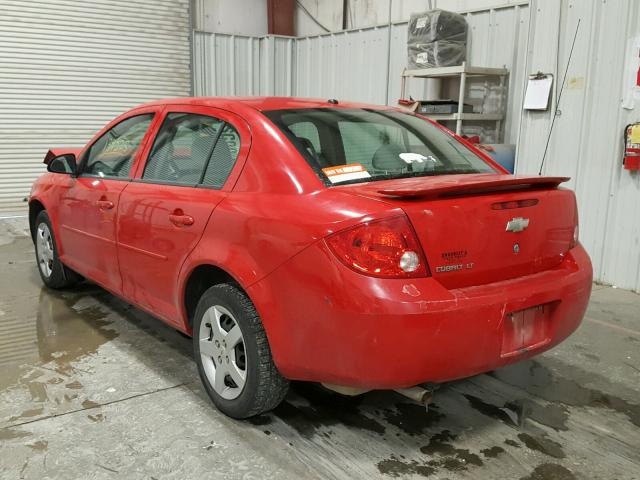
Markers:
point(60, 329)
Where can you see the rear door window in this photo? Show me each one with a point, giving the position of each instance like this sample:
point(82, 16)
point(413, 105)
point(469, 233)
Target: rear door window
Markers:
point(192, 149)
point(223, 158)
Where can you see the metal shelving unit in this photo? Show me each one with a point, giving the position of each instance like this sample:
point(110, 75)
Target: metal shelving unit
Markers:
point(462, 71)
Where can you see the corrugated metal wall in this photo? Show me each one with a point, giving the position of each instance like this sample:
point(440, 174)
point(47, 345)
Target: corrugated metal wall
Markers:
point(67, 67)
point(586, 143)
point(241, 65)
point(353, 64)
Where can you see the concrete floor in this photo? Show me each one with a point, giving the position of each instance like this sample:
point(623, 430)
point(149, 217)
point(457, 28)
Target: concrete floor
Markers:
point(93, 388)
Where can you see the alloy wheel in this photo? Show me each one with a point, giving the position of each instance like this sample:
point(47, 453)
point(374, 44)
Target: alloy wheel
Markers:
point(45, 249)
point(223, 352)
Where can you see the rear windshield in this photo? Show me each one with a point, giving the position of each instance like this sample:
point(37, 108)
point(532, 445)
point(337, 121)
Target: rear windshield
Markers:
point(362, 145)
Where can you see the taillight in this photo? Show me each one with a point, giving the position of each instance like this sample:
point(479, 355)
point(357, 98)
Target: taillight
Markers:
point(385, 248)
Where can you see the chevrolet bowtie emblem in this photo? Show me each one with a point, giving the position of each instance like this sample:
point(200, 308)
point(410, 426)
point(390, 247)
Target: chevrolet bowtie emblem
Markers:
point(517, 224)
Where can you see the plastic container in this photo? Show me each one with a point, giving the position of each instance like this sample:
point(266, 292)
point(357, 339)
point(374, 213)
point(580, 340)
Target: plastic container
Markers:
point(442, 53)
point(436, 38)
point(476, 95)
point(494, 99)
point(435, 25)
point(502, 153)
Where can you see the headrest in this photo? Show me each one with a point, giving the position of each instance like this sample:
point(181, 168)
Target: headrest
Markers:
point(387, 157)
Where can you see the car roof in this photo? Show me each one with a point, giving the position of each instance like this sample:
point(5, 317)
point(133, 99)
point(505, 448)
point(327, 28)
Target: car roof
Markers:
point(263, 103)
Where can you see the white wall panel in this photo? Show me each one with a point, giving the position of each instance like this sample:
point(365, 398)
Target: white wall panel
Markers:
point(67, 67)
point(244, 17)
point(347, 65)
point(586, 142)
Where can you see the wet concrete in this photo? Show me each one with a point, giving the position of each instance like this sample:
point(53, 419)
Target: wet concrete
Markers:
point(93, 388)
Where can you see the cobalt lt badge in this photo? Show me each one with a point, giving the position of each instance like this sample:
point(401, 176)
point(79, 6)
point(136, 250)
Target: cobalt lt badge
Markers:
point(516, 248)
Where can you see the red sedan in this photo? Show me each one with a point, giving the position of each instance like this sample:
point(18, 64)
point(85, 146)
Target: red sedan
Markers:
point(354, 245)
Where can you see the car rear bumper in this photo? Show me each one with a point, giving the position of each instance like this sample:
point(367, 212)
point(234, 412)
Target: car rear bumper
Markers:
point(326, 323)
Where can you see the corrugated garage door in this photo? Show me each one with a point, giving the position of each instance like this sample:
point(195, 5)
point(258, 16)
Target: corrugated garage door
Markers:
point(67, 67)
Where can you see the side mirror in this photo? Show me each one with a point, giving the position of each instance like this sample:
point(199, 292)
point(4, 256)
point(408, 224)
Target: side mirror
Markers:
point(63, 164)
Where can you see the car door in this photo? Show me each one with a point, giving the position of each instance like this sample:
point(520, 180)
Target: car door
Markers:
point(162, 213)
point(88, 208)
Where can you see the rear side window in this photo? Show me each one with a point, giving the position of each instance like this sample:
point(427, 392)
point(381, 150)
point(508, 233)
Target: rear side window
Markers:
point(193, 149)
point(112, 154)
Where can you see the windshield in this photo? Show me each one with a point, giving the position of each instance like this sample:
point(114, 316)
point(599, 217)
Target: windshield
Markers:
point(362, 145)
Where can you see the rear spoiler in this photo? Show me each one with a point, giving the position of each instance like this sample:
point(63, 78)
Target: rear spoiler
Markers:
point(56, 152)
point(451, 185)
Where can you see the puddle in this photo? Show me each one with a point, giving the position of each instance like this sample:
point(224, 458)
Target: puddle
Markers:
point(325, 409)
point(439, 455)
point(552, 415)
point(11, 433)
point(65, 333)
point(514, 413)
point(490, 410)
point(550, 471)
point(492, 452)
point(413, 419)
point(96, 418)
point(87, 404)
point(31, 412)
point(60, 332)
point(542, 444)
point(538, 380)
point(396, 467)
point(448, 456)
point(39, 446)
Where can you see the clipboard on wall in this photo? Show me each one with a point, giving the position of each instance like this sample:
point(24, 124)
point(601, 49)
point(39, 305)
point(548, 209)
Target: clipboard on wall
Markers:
point(538, 91)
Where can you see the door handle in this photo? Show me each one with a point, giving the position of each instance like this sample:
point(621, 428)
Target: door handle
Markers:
point(181, 220)
point(104, 204)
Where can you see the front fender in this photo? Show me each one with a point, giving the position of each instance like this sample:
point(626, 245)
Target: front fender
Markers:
point(47, 190)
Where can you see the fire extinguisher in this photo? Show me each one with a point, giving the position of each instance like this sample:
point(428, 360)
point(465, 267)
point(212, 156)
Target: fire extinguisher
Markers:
point(632, 147)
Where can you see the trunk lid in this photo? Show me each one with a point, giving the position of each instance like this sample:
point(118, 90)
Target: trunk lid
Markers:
point(482, 228)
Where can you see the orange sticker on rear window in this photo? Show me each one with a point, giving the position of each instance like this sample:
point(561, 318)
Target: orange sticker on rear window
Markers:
point(343, 173)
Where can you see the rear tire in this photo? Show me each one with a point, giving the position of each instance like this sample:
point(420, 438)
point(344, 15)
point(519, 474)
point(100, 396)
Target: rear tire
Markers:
point(52, 271)
point(233, 355)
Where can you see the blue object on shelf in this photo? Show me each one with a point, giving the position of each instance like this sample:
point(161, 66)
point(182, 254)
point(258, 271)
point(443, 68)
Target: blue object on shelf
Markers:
point(502, 153)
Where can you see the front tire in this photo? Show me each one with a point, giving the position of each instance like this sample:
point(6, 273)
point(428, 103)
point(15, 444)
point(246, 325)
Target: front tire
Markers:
point(52, 272)
point(233, 355)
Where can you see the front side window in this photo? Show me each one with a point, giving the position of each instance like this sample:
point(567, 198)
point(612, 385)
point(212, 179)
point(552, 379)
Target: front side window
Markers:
point(193, 149)
point(112, 154)
point(363, 145)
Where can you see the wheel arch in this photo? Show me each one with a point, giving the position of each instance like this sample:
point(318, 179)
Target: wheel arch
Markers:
point(200, 279)
point(35, 207)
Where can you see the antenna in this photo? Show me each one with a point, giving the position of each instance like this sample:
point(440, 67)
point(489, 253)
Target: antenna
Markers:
point(555, 113)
